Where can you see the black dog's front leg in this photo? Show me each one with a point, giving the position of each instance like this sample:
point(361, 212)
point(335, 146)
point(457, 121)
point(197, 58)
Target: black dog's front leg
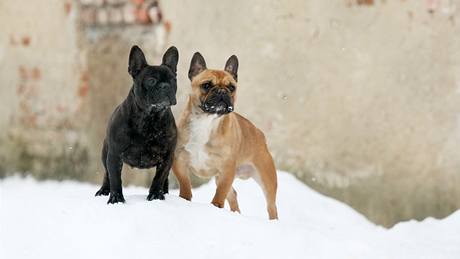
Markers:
point(157, 189)
point(114, 166)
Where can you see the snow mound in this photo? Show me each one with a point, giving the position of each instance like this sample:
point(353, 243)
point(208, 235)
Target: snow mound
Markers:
point(64, 220)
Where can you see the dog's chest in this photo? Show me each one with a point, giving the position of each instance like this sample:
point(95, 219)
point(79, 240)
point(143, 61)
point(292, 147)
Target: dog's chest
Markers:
point(142, 156)
point(146, 150)
point(200, 130)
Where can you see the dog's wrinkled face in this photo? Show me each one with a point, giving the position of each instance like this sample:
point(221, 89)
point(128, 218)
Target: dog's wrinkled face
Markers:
point(154, 86)
point(213, 91)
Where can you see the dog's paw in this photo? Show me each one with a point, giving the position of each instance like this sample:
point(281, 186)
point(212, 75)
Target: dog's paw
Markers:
point(102, 192)
point(218, 204)
point(156, 195)
point(186, 196)
point(115, 197)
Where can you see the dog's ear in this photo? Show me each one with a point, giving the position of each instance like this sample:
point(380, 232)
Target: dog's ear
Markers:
point(197, 65)
point(170, 58)
point(136, 61)
point(232, 66)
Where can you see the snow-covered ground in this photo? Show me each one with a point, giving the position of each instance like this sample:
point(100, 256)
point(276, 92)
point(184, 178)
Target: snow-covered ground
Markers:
point(64, 220)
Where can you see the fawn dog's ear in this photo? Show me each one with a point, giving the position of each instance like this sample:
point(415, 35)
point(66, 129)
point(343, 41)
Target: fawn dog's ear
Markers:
point(232, 66)
point(197, 65)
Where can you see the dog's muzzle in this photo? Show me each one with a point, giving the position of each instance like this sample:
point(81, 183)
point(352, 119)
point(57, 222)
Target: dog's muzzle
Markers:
point(217, 103)
point(160, 106)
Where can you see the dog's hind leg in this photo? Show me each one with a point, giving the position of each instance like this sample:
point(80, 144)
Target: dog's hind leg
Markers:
point(233, 201)
point(267, 180)
point(105, 188)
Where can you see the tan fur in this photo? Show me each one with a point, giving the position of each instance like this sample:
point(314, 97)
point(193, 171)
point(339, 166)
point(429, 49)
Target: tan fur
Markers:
point(235, 148)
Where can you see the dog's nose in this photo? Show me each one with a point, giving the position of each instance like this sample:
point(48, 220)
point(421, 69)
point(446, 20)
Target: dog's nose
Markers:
point(221, 91)
point(162, 85)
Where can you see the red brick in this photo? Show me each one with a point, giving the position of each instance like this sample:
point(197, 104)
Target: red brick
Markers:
point(137, 2)
point(129, 14)
point(36, 73)
point(142, 16)
point(67, 7)
point(25, 41)
point(83, 89)
point(168, 26)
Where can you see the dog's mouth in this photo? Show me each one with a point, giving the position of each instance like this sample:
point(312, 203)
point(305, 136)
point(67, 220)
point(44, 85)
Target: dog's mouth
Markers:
point(159, 106)
point(219, 108)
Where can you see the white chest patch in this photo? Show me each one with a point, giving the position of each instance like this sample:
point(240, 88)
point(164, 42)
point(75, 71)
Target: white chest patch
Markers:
point(200, 130)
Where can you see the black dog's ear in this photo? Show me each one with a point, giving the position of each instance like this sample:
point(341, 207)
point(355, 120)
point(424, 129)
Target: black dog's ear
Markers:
point(232, 66)
point(136, 61)
point(170, 58)
point(197, 65)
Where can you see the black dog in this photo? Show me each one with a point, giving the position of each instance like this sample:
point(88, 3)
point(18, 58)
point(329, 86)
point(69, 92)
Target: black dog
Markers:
point(142, 131)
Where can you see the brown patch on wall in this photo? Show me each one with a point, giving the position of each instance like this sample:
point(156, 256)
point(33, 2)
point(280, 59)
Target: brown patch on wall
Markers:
point(25, 41)
point(168, 26)
point(137, 2)
point(27, 91)
point(365, 2)
point(36, 73)
point(67, 7)
point(16, 40)
point(83, 89)
point(350, 3)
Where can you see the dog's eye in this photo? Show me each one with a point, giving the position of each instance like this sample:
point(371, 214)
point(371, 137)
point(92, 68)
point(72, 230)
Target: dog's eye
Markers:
point(231, 88)
point(206, 86)
point(151, 81)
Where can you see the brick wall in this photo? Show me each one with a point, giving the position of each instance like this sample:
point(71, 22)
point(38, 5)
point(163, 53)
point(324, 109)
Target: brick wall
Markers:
point(119, 12)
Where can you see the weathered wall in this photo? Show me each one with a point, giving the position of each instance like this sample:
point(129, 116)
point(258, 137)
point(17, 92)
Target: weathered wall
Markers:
point(63, 69)
point(39, 73)
point(361, 101)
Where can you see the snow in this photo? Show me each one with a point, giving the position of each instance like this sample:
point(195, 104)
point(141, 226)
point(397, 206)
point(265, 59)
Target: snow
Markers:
point(64, 220)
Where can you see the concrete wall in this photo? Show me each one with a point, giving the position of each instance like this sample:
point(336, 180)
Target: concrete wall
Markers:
point(360, 99)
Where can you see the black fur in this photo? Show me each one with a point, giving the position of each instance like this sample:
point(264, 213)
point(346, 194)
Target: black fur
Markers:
point(142, 131)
